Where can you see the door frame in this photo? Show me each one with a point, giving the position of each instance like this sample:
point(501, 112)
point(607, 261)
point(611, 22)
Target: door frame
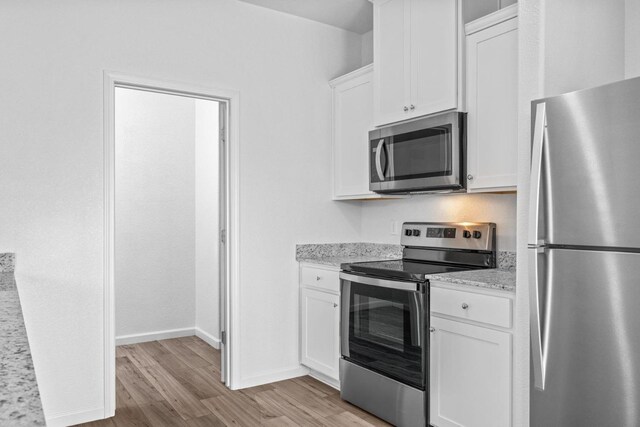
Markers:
point(230, 169)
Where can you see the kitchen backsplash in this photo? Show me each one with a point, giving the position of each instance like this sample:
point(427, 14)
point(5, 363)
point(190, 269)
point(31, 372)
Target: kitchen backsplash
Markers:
point(506, 260)
point(325, 250)
point(7, 262)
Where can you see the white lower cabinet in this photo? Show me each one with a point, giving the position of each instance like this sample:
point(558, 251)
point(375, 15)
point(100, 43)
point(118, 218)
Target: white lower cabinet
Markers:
point(470, 375)
point(320, 334)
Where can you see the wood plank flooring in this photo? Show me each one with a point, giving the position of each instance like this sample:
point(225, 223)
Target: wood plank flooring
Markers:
point(176, 382)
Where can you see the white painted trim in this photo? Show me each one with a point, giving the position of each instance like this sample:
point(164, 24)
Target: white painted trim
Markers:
point(232, 161)
point(73, 418)
point(273, 377)
point(352, 75)
point(492, 19)
point(154, 336)
point(331, 382)
point(208, 338)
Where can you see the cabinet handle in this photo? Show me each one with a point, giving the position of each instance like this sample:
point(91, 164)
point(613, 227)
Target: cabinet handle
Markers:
point(335, 305)
point(318, 277)
point(406, 108)
point(413, 107)
point(465, 305)
point(432, 329)
point(470, 177)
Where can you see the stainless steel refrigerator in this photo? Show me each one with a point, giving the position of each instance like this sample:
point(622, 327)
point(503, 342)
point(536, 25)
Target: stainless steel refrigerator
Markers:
point(584, 258)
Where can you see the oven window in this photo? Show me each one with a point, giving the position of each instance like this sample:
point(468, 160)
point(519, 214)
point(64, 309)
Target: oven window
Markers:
point(386, 332)
point(421, 154)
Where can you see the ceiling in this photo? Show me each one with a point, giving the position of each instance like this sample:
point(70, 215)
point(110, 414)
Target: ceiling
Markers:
point(351, 15)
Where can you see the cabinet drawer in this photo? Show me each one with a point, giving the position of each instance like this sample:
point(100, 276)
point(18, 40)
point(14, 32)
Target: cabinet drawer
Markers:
point(321, 278)
point(471, 306)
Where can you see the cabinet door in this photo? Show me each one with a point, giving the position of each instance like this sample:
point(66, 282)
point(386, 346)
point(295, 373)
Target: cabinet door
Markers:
point(391, 50)
point(470, 375)
point(492, 98)
point(353, 119)
point(320, 321)
point(434, 56)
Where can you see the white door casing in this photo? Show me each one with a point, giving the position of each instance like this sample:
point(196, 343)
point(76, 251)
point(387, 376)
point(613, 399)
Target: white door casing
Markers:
point(230, 164)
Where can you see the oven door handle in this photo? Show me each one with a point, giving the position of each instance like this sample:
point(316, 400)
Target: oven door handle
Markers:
point(345, 296)
point(392, 284)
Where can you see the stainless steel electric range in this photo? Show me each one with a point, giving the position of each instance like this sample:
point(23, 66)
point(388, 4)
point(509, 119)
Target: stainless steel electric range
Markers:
point(384, 321)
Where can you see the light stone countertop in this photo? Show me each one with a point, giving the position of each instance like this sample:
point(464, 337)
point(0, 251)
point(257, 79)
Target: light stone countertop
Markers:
point(20, 403)
point(333, 254)
point(494, 278)
point(335, 261)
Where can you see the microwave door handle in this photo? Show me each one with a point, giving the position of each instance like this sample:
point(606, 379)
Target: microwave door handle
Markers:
point(378, 160)
point(539, 136)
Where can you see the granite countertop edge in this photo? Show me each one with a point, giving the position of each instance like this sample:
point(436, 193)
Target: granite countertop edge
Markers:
point(338, 261)
point(334, 254)
point(502, 278)
point(494, 278)
point(20, 403)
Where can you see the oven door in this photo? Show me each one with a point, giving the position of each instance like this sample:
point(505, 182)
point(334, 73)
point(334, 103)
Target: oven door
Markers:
point(383, 327)
point(422, 155)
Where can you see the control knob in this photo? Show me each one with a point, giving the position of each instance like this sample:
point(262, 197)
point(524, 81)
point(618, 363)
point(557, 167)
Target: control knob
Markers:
point(477, 234)
point(466, 234)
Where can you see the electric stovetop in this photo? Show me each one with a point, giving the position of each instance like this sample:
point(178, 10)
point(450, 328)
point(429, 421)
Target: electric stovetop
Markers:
point(402, 269)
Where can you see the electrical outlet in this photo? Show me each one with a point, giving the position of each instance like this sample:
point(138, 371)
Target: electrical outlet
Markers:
point(395, 228)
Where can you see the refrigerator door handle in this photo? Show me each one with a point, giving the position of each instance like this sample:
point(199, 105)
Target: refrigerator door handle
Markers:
point(539, 136)
point(537, 350)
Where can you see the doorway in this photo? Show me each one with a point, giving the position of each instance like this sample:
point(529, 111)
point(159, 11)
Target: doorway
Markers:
point(167, 148)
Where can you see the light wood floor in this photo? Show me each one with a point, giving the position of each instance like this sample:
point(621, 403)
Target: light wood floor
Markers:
point(176, 382)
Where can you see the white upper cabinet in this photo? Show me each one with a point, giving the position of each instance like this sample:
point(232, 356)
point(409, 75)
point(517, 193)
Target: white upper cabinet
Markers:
point(416, 58)
point(391, 57)
point(434, 56)
point(492, 96)
point(352, 121)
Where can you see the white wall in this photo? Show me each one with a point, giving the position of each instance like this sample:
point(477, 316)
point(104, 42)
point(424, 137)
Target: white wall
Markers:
point(564, 46)
point(498, 208)
point(155, 212)
point(207, 265)
point(584, 44)
point(51, 163)
point(366, 51)
point(632, 38)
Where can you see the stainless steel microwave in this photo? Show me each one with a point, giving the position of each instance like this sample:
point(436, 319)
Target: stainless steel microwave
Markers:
point(423, 155)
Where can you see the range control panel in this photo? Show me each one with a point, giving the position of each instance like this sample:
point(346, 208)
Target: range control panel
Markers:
point(463, 235)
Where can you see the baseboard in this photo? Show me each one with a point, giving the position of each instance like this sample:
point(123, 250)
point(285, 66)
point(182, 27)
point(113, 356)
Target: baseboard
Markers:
point(208, 338)
point(272, 377)
point(154, 336)
point(73, 418)
point(325, 379)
